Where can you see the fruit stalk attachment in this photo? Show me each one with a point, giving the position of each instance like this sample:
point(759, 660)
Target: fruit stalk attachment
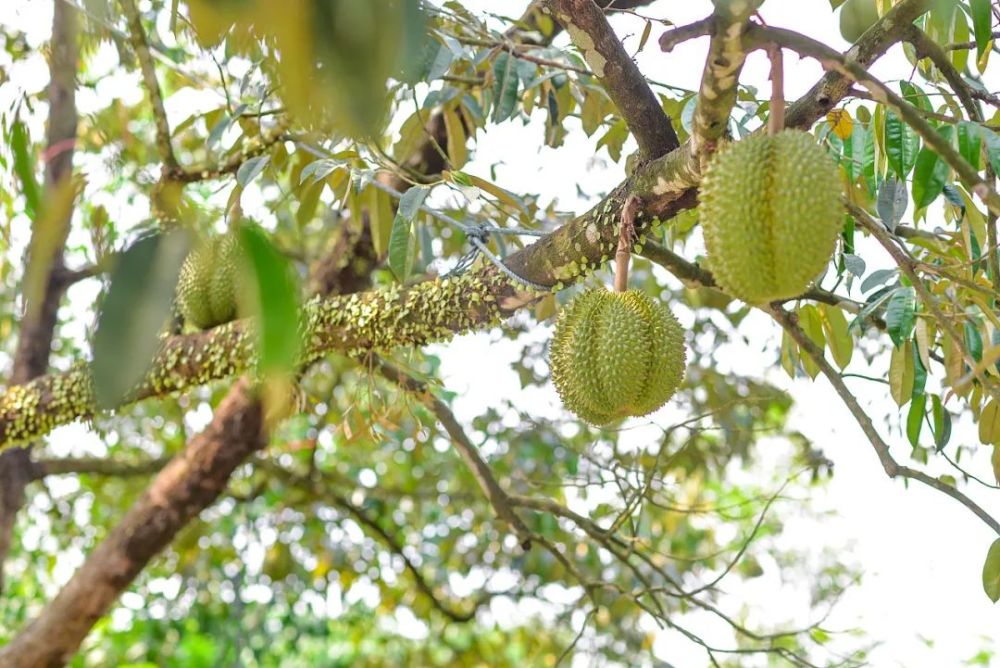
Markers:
point(626, 233)
point(776, 118)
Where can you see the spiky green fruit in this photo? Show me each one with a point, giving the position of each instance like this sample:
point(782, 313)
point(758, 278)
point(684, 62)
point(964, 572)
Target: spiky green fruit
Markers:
point(207, 286)
point(771, 213)
point(615, 355)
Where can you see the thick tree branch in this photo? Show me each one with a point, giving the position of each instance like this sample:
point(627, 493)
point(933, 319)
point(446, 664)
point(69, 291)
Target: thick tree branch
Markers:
point(113, 468)
point(717, 93)
point(832, 88)
point(46, 259)
point(618, 73)
point(189, 483)
point(377, 320)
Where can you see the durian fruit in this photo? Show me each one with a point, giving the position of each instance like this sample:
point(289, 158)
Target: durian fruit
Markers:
point(616, 354)
point(857, 16)
point(208, 283)
point(771, 212)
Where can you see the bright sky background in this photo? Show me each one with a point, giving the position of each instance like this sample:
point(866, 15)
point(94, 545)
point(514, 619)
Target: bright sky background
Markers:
point(921, 552)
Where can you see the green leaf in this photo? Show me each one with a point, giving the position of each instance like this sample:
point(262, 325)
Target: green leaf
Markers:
point(877, 278)
point(899, 315)
point(273, 298)
point(941, 422)
point(929, 174)
point(400, 257)
point(891, 202)
point(992, 140)
point(24, 167)
point(915, 419)
point(981, 27)
point(251, 169)
point(973, 341)
point(970, 142)
point(505, 86)
point(991, 572)
point(901, 145)
point(134, 312)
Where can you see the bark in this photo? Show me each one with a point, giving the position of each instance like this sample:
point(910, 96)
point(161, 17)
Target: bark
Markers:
point(189, 483)
point(618, 73)
point(31, 358)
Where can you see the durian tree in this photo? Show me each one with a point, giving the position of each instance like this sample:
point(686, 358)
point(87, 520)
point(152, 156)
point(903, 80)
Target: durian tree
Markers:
point(227, 293)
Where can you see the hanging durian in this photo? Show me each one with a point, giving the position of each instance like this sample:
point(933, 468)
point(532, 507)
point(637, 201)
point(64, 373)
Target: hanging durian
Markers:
point(771, 213)
point(207, 287)
point(615, 355)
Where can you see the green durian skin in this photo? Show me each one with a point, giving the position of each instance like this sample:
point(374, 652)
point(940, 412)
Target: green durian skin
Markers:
point(207, 285)
point(771, 213)
point(616, 355)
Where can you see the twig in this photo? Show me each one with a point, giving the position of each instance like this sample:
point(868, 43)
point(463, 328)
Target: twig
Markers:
point(140, 43)
point(625, 235)
point(889, 465)
point(480, 470)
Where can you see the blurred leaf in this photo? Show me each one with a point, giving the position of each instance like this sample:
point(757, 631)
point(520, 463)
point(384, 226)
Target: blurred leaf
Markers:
point(915, 419)
point(899, 315)
point(901, 374)
point(989, 423)
point(970, 142)
point(274, 298)
point(134, 312)
point(929, 174)
point(400, 255)
point(251, 169)
point(901, 145)
point(841, 123)
point(24, 167)
point(982, 27)
point(837, 335)
point(505, 86)
point(991, 572)
point(892, 201)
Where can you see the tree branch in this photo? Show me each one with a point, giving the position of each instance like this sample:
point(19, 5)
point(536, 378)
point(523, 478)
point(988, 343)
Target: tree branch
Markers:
point(618, 73)
point(717, 93)
point(140, 44)
point(46, 260)
point(480, 470)
point(832, 88)
point(891, 467)
point(833, 60)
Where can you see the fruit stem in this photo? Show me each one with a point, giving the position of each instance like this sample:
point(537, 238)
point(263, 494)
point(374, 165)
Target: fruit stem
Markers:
point(776, 119)
point(626, 231)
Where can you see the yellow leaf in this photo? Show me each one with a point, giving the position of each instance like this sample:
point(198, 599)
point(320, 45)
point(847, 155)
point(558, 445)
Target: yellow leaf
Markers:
point(812, 325)
point(789, 355)
point(837, 335)
point(458, 155)
point(901, 374)
point(924, 331)
point(989, 425)
point(996, 462)
point(841, 123)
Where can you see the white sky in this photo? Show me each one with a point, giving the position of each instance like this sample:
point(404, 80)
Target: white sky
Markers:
point(921, 552)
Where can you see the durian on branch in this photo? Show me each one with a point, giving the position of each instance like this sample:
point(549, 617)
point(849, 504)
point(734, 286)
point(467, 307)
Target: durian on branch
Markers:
point(436, 310)
point(378, 320)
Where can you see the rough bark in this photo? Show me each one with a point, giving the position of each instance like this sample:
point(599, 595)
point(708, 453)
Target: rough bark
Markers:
point(34, 344)
point(189, 483)
point(618, 73)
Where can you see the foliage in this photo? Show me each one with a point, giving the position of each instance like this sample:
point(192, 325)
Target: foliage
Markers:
point(341, 139)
